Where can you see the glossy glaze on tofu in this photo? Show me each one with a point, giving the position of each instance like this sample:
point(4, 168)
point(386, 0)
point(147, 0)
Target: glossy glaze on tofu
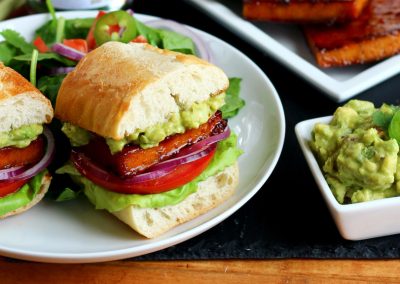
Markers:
point(373, 36)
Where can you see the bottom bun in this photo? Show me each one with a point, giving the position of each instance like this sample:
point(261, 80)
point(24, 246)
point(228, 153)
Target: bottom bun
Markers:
point(152, 222)
point(43, 189)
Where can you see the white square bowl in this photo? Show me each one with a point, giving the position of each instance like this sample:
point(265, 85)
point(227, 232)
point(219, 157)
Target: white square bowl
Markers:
point(354, 221)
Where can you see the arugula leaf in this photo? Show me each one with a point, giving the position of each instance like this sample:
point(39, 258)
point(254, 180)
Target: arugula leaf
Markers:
point(152, 35)
point(233, 102)
point(49, 86)
point(166, 39)
point(73, 28)
point(7, 52)
point(176, 42)
point(77, 28)
point(46, 56)
point(47, 32)
point(15, 39)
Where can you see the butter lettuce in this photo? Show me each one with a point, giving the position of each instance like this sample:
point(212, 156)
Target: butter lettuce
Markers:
point(23, 196)
point(225, 156)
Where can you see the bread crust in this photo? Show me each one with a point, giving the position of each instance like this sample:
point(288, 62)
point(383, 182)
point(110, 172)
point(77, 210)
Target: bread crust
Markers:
point(152, 222)
point(14, 84)
point(42, 191)
point(118, 88)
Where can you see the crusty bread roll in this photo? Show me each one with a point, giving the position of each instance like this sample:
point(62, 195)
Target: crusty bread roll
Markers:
point(43, 189)
point(118, 88)
point(20, 102)
point(152, 222)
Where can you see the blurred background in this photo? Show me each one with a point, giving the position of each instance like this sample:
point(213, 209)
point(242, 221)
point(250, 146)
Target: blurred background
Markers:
point(13, 8)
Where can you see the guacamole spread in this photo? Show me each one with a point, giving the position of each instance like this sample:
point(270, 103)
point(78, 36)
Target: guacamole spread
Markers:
point(193, 117)
point(20, 137)
point(357, 154)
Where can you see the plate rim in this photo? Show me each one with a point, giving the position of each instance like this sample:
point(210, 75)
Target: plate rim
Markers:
point(115, 254)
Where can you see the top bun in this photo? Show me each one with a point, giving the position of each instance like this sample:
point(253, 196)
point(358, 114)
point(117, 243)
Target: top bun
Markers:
point(20, 102)
point(118, 88)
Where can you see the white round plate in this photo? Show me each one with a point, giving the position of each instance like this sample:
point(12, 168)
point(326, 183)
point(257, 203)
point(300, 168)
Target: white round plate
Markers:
point(74, 232)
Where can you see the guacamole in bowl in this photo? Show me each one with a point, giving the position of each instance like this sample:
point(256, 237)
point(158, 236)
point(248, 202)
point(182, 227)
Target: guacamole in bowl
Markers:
point(358, 151)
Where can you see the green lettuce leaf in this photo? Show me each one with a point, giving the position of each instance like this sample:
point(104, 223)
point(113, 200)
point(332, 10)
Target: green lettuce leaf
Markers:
point(23, 196)
point(233, 102)
point(68, 194)
point(226, 155)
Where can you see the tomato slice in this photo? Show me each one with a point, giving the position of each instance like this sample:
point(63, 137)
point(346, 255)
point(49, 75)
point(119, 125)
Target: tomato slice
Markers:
point(179, 176)
point(91, 42)
point(40, 45)
point(7, 187)
point(78, 44)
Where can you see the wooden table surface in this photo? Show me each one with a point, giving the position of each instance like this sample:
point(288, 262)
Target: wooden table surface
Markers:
point(221, 271)
point(202, 271)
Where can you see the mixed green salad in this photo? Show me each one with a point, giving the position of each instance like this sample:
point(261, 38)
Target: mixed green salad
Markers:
point(60, 43)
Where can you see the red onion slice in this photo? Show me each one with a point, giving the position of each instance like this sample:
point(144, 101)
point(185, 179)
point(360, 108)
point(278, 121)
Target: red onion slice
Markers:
point(193, 152)
point(68, 52)
point(42, 164)
point(11, 172)
point(201, 46)
point(60, 70)
point(87, 168)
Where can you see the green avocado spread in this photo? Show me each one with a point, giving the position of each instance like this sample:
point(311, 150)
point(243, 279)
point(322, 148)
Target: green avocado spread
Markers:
point(20, 137)
point(193, 117)
point(359, 159)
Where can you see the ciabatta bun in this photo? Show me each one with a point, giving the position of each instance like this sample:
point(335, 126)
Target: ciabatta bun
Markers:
point(152, 222)
point(20, 102)
point(118, 88)
point(43, 189)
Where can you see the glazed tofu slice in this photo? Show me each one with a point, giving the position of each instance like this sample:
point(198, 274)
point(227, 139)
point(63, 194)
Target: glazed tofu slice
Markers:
point(373, 36)
point(303, 11)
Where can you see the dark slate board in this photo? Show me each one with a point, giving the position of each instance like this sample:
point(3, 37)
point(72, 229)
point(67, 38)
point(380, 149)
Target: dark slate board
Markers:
point(287, 217)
